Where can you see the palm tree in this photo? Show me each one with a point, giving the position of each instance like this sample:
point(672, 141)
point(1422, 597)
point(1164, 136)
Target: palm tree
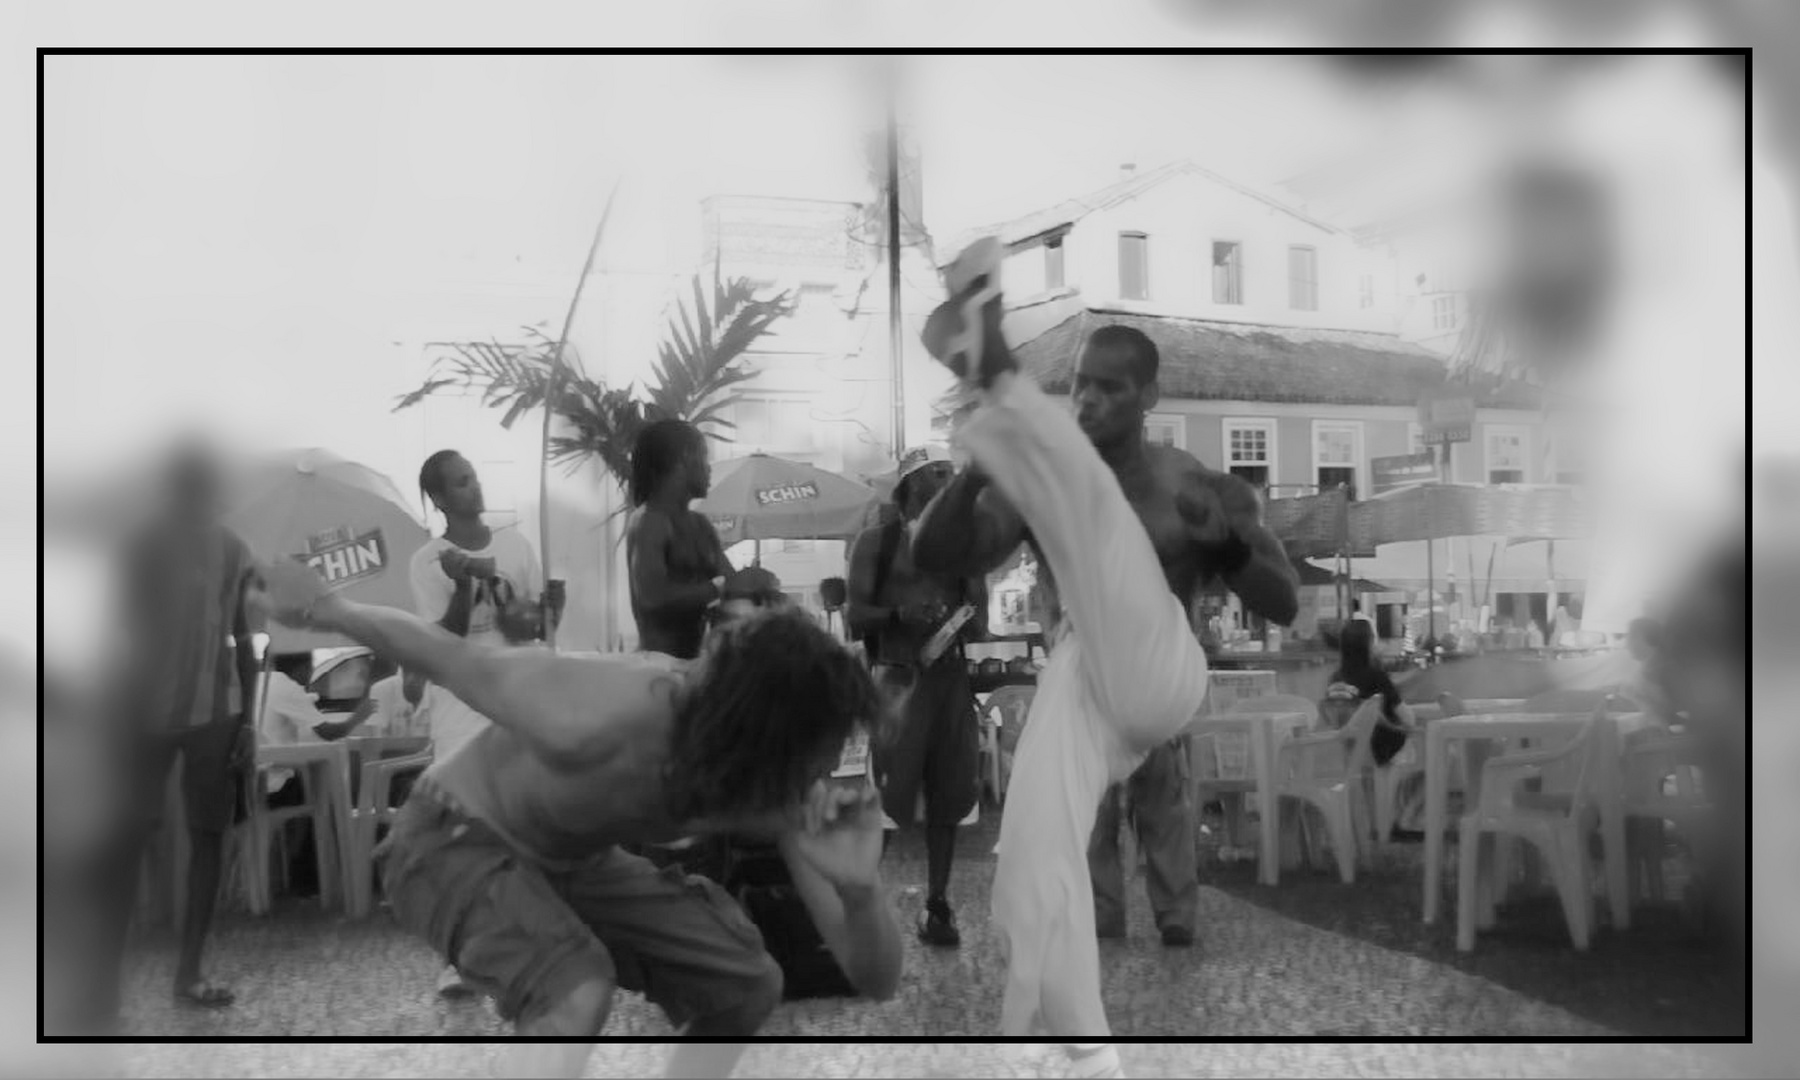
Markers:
point(698, 361)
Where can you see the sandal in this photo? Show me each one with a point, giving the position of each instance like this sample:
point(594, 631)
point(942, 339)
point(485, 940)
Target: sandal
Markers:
point(204, 995)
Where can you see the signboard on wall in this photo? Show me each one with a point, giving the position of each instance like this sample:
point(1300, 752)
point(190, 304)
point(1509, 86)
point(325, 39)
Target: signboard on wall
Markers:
point(1401, 470)
point(1447, 415)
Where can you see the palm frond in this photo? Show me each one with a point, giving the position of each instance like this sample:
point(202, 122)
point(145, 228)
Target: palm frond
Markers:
point(700, 359)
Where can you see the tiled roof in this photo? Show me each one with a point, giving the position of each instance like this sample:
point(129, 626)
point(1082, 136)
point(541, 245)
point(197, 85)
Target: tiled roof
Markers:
point(1204, 359)
point(1070, 211)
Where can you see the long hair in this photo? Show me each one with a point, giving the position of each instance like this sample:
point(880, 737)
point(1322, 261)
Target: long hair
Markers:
point(659, 448)
point(1356, 648)
point(772, 704)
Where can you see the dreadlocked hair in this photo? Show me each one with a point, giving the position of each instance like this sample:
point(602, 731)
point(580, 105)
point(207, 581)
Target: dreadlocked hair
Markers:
point(775, 699)
point(658, 449)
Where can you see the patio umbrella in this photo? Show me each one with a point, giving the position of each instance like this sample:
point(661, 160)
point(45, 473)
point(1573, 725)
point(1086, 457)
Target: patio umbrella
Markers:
point(347, 520)
point(769, 498)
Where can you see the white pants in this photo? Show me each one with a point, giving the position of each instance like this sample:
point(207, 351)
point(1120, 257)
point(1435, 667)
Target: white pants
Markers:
point(1127, 677)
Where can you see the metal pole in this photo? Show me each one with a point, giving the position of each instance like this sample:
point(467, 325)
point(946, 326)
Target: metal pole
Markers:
point(893, 207)
point(550, 390)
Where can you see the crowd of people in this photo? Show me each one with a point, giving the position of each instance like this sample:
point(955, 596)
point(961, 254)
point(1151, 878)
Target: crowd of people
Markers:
point(540, 852)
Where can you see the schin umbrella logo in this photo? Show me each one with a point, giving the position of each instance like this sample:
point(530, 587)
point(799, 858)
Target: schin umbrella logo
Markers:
point(341, 556)
point(787, 493)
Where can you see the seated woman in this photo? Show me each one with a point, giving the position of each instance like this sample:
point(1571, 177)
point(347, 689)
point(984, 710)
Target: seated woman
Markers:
point(1359, 678)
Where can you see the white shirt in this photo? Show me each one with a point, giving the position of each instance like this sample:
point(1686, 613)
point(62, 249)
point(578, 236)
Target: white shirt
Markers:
point(287, 719)
point(453, 722)
point(515, 564)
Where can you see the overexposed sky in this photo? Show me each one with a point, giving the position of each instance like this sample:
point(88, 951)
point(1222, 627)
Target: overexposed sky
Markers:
point(214, 223)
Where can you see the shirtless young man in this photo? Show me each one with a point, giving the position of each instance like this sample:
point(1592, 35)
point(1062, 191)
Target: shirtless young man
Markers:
point(677, 564)
point(506, 856)
point(1128, 531)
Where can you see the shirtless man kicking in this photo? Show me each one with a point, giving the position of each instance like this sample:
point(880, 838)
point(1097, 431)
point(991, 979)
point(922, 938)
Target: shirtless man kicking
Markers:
point(1128, 531)
point(506, 856)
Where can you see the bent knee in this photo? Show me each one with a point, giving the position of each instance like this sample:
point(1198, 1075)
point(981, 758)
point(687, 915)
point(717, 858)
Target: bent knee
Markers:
point(578, 1010)
point(756, 998)
point(762, 992)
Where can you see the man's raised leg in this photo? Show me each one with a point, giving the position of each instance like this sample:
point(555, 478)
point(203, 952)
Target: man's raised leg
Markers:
point(1143, 667)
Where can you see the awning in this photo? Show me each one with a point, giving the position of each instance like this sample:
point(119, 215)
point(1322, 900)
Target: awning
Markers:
point(1318, 575)
point(1315, 526)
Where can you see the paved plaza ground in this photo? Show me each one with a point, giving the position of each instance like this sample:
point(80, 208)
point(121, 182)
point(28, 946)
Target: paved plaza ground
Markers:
point(1257, 975)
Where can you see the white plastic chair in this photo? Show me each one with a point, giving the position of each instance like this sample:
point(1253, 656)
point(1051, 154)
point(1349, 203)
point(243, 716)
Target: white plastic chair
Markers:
point(1404, 767)
point(264, 834)
point(1275, 703)
point(1327, 770)
point(373, 809)
point(1557, 819)
point(1662, 786)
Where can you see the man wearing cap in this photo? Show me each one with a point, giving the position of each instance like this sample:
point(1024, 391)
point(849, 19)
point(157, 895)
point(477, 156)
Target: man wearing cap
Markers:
point(904, 616)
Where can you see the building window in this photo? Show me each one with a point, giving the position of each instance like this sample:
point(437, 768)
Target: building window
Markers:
point(1365, 290)
point(1166, 430)
point(1250, 450)
point(1227, 272)
point(1337, 450)
point(1303, 278)
point(1134, 266)
point(1443, 313)
point(1506, 456)
point(1053, 263)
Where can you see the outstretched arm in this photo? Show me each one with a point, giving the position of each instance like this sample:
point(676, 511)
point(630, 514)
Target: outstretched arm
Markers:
point(555, 703)
point(968, 530)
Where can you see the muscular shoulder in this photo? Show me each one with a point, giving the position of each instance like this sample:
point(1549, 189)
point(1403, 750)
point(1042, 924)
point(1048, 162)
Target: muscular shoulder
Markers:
point(1177, 464)
point(649, 526)
point(608, 704)
point(698, 523)
point(1184, 469)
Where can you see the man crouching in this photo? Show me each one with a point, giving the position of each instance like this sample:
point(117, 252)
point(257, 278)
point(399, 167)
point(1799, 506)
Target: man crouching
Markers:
point(507, 855)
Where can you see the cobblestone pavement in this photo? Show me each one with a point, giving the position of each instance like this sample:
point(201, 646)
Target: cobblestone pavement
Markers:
point(1256, 975)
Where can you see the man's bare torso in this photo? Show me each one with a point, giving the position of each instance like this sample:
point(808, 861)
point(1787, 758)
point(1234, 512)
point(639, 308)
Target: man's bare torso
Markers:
point(1152, 487)
point(693, 555)
point(562, 811)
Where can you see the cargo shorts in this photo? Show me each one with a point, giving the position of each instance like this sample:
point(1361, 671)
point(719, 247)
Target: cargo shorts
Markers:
point(528, 934)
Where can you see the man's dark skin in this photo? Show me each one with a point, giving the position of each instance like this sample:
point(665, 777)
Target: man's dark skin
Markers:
point(1191, 512)
point(462, 503)
point(920, 604)
point(862, 615)
point(676, 560)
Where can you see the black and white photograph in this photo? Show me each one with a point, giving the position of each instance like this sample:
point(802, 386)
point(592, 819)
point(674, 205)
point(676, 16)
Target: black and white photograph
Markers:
point(893, 564)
